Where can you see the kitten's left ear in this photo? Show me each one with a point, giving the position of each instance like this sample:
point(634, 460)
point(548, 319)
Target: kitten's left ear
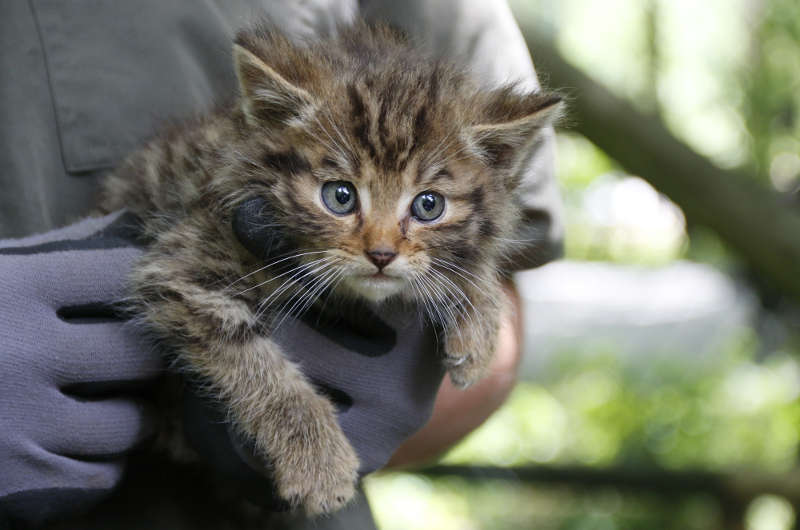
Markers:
point(266, 95)
point(512, 124)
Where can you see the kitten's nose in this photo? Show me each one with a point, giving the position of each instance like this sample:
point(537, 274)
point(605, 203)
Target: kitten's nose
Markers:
point(381, 257)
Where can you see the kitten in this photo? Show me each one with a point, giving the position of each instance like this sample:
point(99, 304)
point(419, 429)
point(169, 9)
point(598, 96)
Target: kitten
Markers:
point(386, 174)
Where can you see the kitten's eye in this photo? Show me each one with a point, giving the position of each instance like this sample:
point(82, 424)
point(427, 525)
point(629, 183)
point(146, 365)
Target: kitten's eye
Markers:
point(427, 206)
point(339, 197)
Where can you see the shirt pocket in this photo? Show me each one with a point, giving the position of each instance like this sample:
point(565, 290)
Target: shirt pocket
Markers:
point(119, 70)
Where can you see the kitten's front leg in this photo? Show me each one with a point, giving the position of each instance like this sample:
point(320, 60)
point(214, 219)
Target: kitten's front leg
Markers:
point(215, 337)
point(471, 338)
point(313, 464)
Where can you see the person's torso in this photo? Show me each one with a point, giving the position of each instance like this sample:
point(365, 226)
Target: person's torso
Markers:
point(83, 83)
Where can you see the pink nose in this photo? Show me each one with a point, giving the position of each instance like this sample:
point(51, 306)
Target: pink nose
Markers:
point(381, 257)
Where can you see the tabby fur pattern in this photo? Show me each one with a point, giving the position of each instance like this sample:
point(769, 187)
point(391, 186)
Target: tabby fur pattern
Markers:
point(366, 107)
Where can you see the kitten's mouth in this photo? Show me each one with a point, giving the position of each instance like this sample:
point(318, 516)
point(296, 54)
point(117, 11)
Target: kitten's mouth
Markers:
point(376, 286)
point(381, 278)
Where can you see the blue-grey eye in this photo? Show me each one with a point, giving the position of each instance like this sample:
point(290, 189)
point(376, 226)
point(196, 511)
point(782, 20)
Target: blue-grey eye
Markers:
point(427, 206)
point(339, 197)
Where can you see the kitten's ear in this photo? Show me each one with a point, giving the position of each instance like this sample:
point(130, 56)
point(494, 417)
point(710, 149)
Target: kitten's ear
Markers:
point(512, 123)
point(266, 95)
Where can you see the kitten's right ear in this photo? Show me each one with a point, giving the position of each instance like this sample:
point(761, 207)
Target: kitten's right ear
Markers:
point(266, 95)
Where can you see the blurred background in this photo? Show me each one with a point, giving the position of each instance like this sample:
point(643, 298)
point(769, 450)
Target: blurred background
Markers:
point(661, 376)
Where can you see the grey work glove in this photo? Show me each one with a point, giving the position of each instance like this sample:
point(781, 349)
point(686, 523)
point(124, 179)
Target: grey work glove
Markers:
point(67, 361)
point(382, 371)
point(69, 370)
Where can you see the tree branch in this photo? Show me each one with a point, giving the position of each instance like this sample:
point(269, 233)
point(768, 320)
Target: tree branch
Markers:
point(753, 220)
point(737, 487)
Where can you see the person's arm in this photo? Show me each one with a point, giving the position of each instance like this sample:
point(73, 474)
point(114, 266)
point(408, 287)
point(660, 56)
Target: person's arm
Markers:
point(456, 412)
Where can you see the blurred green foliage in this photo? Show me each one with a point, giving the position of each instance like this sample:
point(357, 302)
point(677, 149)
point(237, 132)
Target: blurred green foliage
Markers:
point(414, 502)
point(715, 414)
point(771, 105)
point(723, 413)
point(725, 77)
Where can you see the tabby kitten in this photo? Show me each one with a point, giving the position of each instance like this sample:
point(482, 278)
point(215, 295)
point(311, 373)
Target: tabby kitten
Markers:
point(386, 174)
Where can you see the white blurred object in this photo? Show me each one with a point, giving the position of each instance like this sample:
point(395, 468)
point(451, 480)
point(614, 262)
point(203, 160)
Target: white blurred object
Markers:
point(632, 203)
point(685, 309)
point(784, 171)
point(631, 217)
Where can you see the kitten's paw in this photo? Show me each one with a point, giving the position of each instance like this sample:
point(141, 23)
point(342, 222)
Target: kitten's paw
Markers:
point(320, 495)
point(469, 353)
point(319, 468)
point(465, 370)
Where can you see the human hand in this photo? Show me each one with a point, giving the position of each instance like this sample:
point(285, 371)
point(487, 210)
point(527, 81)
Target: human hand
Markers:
point(381, 371)
point(67, 367)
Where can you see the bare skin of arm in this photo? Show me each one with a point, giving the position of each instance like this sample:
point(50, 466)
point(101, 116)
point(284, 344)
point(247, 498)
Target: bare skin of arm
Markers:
point(456, 412)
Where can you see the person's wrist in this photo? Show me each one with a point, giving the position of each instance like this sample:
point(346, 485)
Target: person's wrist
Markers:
point(456, 412)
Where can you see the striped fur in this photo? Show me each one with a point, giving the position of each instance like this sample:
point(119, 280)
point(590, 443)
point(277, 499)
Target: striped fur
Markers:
point(367, 107)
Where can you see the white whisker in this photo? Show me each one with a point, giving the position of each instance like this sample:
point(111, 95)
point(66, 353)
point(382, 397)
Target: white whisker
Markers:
point(452, 267)
point(275, 263)
point(290, 271)
point(337, 281)
point(329, 278)
point(267, 302)
point(307, 294)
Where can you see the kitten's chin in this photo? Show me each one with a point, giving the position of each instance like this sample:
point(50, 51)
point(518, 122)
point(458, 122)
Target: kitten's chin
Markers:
point(374, 288)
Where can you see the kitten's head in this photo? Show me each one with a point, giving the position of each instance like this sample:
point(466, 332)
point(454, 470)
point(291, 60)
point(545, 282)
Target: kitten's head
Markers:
point(396, 171)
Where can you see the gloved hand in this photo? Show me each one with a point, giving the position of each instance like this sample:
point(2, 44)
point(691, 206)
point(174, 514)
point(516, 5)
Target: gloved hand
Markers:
point(68, 369)
point(381, 370)
point(66, 361)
